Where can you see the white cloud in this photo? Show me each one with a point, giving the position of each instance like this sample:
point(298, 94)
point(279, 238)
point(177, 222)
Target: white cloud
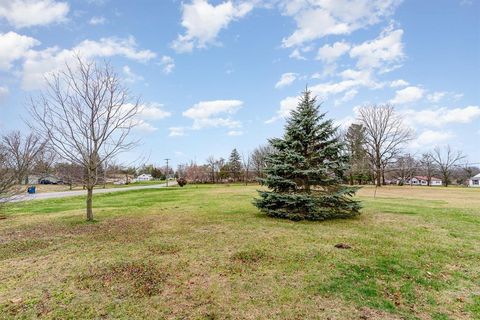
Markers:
point(176, 131)
point(153, 111)
point(351, 79)
point(286, 79)
point(37, 64)
point(436, 96)
point(286, 106)
point(407, 95)
point(146, 113)
point(235, 133)
point(316, 19)
point(205, 109)
point(212, 114)
point(330, 53)
point(296, 54)
point(381, 53)
point(442, 116)
point(3, 91)
point(349, 95)
point(130, 76)
point(168, 64)
point(204, 21)
point(95, 21)
point(142, 125)
point(14, 46)
point(431, 138)
point(28, 13)
point(108, 47)
point(345, 122)
point(398, 83)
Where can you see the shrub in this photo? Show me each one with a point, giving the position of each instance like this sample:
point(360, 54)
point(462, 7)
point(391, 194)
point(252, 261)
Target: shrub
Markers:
point(181, 182)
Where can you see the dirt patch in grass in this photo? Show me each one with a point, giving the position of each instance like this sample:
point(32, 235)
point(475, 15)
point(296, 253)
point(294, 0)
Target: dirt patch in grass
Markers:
point(125, 279)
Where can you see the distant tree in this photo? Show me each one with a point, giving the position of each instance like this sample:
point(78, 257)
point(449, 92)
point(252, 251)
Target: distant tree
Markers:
point(258, 158)
point(446, 159)
point(157, 173)
point(405, 168)
point(128, 171)
point(235, 165)
point(305, 172)
point(8, 177)
point(224, 172)
point(146, 169)
point(45, 162)
point(23, 152)
point(246, 167)
point(70, 173)
point(212, 164)
point(428, 167)
point(385, 135)
point(359, 162)
point(86, 115)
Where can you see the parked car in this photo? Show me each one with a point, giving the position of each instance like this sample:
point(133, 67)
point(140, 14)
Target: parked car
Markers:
point(46, 181)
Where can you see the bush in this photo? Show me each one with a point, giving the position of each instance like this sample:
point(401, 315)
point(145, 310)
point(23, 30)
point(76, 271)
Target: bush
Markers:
point(181, 182)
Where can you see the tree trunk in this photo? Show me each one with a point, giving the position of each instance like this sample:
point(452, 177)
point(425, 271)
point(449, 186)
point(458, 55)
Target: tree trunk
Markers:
point(379, 176)
point(89, 203)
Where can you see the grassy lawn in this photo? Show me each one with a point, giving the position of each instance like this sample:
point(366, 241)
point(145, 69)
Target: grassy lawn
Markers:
point(206, 253)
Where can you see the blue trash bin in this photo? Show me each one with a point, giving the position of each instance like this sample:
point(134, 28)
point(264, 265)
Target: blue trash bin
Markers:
point(31, 190)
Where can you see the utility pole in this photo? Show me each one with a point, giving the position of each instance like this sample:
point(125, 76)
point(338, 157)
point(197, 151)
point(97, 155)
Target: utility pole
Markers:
point(166, 175)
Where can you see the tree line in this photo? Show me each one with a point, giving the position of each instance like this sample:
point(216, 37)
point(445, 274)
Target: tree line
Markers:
point(81, 122)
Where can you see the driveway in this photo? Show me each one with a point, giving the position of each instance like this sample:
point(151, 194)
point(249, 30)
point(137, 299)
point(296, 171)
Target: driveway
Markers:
point(64, 194)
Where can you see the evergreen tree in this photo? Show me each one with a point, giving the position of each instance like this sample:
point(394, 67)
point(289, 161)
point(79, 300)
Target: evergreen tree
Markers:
point(305, 171)
point(235, 165)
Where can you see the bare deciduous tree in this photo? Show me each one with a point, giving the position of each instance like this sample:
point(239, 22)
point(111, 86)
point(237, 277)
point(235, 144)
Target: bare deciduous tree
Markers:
point(428, 167)
point(86, 116)
point(246, 166)
point(405, 167)
point(385, 135)
point(258, 158)
point(23, 152)
point(446, 159)
point(212, 164)
point(8, 176)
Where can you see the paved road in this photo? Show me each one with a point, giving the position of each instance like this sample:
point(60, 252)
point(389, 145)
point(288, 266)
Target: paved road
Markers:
point(63, 194)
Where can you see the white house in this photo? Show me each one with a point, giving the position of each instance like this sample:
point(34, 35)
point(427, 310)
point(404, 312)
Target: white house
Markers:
point(423, 181)
point(474, 181)
point(144, 177)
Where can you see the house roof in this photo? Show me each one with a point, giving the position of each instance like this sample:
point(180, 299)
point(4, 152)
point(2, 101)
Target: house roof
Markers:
point(475, 177)
point(425, 178)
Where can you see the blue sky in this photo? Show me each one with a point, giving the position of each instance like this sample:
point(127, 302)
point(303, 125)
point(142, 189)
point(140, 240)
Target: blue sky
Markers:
point(214, 75)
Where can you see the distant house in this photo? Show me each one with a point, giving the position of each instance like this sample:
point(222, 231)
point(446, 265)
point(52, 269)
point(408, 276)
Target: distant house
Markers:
point(45, 179)
point(474, 181)
point(119, 178)
point(144, 177)
point(423, 181)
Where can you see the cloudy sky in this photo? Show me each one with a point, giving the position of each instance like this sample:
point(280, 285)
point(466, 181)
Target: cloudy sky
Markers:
point(214, 75)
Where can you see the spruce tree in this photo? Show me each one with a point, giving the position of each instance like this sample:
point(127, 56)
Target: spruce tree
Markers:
point(235, 164)
point(304, 173)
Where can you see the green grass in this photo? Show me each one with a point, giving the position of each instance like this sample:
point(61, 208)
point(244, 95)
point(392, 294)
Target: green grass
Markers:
point(206, 253)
